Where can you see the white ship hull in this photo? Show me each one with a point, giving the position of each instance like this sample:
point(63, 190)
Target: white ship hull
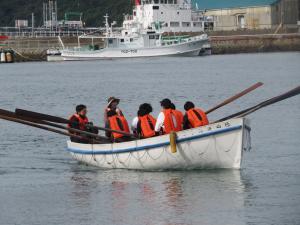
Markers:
point(217, 145)
point(191, 48)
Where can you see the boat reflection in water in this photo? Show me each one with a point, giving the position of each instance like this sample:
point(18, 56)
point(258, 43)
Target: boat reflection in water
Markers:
point(178, 197)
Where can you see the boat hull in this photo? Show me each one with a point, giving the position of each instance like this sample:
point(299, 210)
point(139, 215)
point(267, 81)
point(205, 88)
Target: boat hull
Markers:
point(191, 48)
point(214, 146)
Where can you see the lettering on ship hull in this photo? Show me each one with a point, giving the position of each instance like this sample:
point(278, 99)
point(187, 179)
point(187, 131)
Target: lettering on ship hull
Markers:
point(126, 51)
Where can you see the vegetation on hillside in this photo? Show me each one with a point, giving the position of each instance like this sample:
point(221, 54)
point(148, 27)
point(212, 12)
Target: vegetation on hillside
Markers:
point(93, 10)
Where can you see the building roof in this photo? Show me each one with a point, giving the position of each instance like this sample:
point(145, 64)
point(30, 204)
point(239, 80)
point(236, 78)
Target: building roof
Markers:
point(222, 4)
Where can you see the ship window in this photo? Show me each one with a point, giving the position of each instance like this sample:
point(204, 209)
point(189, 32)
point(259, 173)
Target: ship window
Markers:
point(151, 37)
point(156, 1)
point(122, 40)
point(177, 13)
point(162, 12)
point(157, 37)
point(155, 7)
point(131, 39)
point(110, 41)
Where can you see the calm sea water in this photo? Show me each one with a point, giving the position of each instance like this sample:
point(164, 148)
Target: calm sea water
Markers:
point(41, 184)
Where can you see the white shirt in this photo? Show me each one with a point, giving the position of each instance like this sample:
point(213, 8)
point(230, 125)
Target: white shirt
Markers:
point(160, 122)
point(134, 123)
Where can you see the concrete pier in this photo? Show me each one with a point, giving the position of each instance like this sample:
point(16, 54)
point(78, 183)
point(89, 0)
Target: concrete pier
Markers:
point(255, 43)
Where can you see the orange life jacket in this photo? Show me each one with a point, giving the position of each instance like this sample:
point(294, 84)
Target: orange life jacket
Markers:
point(118, 123)
point(147, 125)
point(173, 120)
point(197, 117)
point(82, 121)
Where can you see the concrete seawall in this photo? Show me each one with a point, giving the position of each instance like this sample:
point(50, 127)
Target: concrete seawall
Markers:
point(34, 49)
point(255, 43)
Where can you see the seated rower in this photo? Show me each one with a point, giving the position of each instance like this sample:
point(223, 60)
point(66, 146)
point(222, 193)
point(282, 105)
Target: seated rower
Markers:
point(119, 123)
point(194, 117)
point(168, 120)
point(144, 124)
point(80, 121)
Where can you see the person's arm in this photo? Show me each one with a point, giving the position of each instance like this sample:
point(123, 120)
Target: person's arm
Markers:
point(119, 112)
point(139, 128)
point(107, 133)
point(134, 123)
point(185, 122)
point(105, 115)
point(159, 122)
point(74, 123)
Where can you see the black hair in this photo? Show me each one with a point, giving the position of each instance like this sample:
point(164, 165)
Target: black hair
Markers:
point(79, 108)
point(188, 106)
point(166, 103)
point(146, 108)
point(173, 106)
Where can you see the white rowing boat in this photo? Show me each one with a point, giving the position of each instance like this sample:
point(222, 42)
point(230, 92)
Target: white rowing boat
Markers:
point(218, 145)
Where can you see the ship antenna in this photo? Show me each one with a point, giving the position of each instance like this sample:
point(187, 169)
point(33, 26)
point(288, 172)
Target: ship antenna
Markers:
point(106, 25)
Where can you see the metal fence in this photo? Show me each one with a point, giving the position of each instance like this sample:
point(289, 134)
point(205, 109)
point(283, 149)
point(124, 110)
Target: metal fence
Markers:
point(45, 32)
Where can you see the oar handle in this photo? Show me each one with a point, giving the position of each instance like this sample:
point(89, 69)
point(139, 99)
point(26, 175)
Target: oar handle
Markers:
point(33, 120)
point(40, 127)
point(56, 119)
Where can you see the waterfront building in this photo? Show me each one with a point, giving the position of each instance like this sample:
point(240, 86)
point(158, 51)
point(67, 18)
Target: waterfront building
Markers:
point(251, 14)
point(166, 16)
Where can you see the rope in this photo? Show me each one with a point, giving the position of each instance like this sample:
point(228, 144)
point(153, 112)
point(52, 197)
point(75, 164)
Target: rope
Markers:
point(25, 57)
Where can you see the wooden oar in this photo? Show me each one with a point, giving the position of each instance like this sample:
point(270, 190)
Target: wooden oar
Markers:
point(40, 127)
point(233, 98)
point(245, 112)
point(33, 120)
point(56, 119)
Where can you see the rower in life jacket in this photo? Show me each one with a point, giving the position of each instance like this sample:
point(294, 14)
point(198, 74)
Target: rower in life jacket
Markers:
point(79, 121)
point(119, 123)
point(143, 125)
point(194, 117)
point(112, 104)
point(169, 119)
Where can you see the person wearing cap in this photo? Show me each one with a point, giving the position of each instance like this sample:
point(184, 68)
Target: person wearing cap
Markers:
point(119, 123)
point(168, 120)
point(112, 105)
point(80, 121)
point(194, 117)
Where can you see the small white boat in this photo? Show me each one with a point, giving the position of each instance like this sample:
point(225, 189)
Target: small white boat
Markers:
point(218, 145)
point(54, 55)
point(137, 43)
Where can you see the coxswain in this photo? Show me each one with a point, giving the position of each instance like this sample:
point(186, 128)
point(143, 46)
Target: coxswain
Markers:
point(119, 123)
point(112, 104)
point(194, 117)
point(79, 121)
point(168, 119)
point(144, 124)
